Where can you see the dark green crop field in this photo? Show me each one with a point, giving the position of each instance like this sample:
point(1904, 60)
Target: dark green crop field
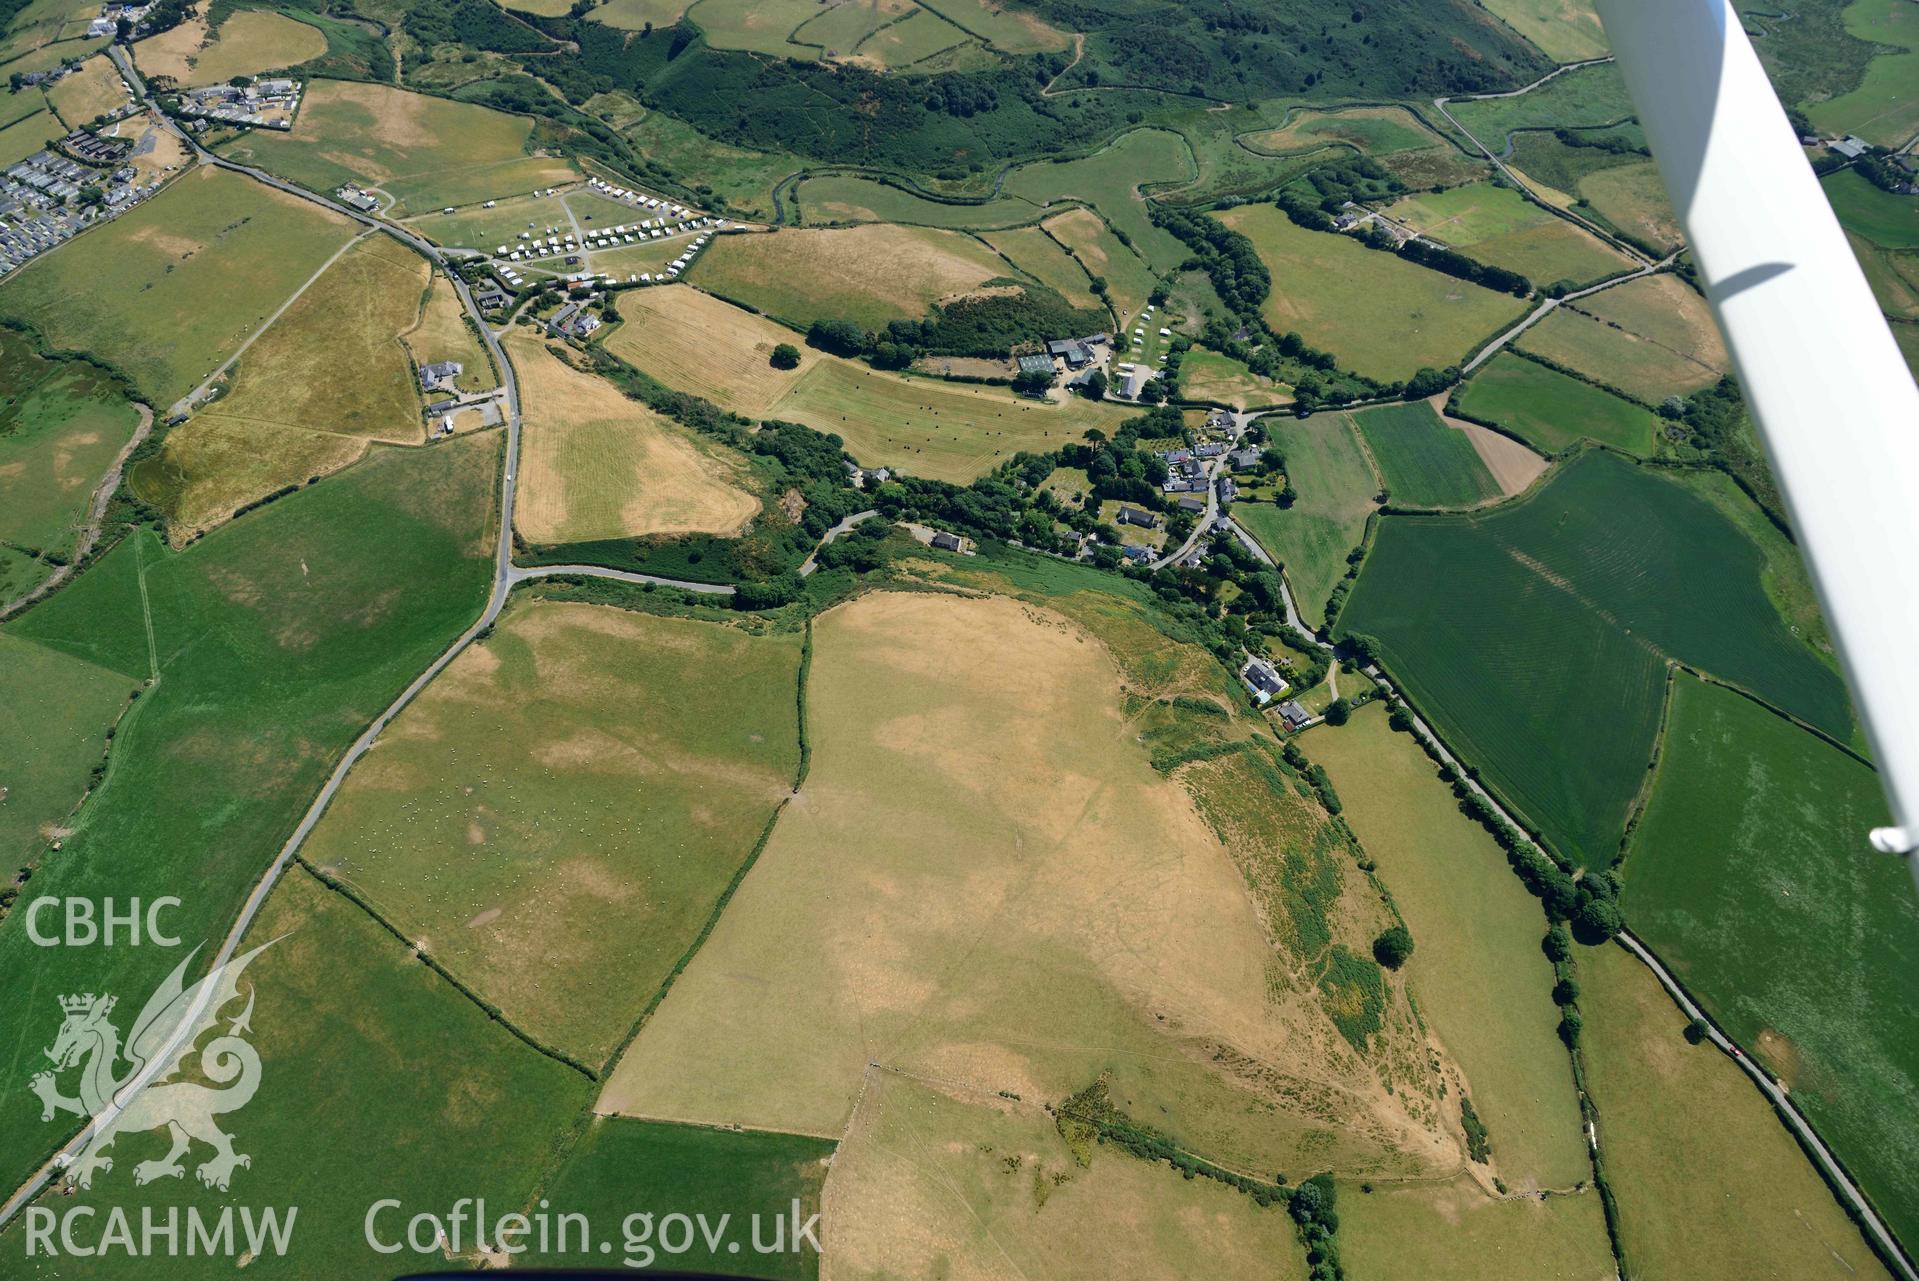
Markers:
point(1425, 463)
point(624, 1166)
point(276, 639)
point(1553, 411)
point(1751, 875)
point(1537, 634)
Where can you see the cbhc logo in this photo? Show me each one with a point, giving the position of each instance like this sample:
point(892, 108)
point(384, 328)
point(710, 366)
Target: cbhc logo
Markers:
point(84, 926)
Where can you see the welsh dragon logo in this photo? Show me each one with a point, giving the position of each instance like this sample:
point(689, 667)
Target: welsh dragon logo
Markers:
point(143, 1095)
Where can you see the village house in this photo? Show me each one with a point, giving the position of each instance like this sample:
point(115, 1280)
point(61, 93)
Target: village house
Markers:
point(1263, 680)
point(1134, 516)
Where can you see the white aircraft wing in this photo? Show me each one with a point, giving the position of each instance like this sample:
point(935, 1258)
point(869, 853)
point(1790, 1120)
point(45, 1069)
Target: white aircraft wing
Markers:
point(1835, 403)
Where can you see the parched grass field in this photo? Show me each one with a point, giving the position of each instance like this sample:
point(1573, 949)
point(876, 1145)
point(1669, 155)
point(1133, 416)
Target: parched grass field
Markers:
point(95, 89)
point(538, 824)
point(597, 465)
point(62, 423)
point(196, 269)
point(869, 275)
point(1100, 253)
point(1209, 376)
point(445, 333)
point(913, 39)
point(1884, 109)
point(277, 638)
point(249, 42)
point(1745, 875)
point(1564, 30)
point(632, 15)
point(621, 1164)
point(1378, 313)
point(1536, 635)
point(839, 197)
point(1497, 225)
point(1477, 971)
point(1456, 1232)
point(1336, 488)
point(1633, 199)
point(1424, 462)
point(1377, 131)
point(462, 1107)
point(696, 343)
point(427, 152)
point(1554, 412)
point(1037, 254)
point(1879, 216)
point(939, 430)
point(836, 30)
point(941, 724)
point(291, 387)
point(1709, 1182)
point(1893, 275)
point(477, 227)
point(930, 1179)
point(1651, 338)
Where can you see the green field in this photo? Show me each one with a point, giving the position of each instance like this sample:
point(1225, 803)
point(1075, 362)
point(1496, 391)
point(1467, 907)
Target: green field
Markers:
point(1129, 281)
point(1110, 180)
point(276, 639)
point(1884, 109)
point(1879, 216)
point(55, 710)
point(426, 152)
point(914, 38)
point(41, 22)
point(1377, 131)
point(742, 177)
point(1377, 313)
point(62, 422)
point(1456, 1232)
point(1536, 635)
point(839, 197)
point(1336, 488)
point(477, 227)
point(1477, 971)
point(26, 135)
point(1553, 412)
point(1587, 97)
point(1497, 225)
point(197, 269)
point(1424, 462)
point(1709, 1182)
point(622, 1166)
point(1043, 258)
point(378, 1080)
point(554, 842)
point(1750, 876)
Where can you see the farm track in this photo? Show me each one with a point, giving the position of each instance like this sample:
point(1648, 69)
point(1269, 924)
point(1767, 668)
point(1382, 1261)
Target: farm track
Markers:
point(506, 574)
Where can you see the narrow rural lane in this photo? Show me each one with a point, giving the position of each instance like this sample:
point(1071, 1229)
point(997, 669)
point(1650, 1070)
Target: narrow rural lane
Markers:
point(1499, 158)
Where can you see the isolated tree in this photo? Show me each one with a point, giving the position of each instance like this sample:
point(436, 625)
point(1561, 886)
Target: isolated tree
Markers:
point(1339, 711)
point(1596, 920)
point(1094, 386)
point(785, 356)
point(1695, 1031)
point(1400, 719)
point(1392, 948)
